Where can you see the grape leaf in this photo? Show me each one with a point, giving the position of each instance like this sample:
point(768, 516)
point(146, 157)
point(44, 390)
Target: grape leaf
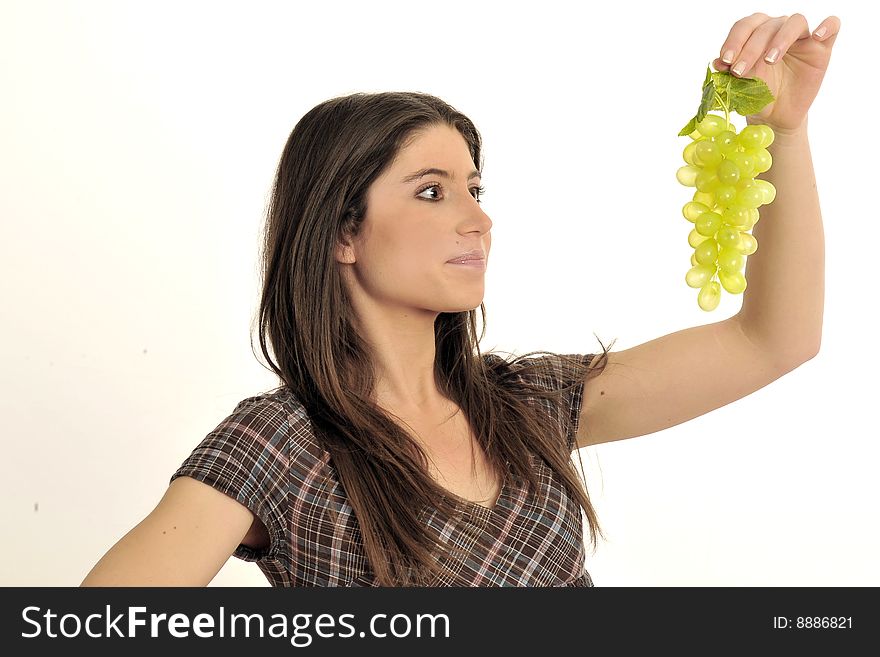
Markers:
point(742, 95)
point(689, 128)
point(706, 103)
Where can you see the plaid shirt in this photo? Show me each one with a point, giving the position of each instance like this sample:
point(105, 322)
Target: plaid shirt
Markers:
point(266, 456)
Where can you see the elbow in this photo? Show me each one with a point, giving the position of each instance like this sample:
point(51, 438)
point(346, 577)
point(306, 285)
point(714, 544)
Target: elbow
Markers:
point(805, 354)
point(790, 358)
point(814, 347)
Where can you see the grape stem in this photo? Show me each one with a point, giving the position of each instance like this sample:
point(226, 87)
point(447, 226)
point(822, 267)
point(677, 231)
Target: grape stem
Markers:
point(726, 110)
point(727, 121)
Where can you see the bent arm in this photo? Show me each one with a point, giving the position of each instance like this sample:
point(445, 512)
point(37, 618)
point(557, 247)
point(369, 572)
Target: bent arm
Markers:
point(784, 302)
point(184, 541)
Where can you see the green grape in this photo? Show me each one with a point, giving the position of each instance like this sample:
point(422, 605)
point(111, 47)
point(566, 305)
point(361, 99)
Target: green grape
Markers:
point(763, 160)
point(726, 141)
point(733, 282)
point(688, 153)
point(687, 175)
point(709, 296)
point(712, 125)
point(747, 244)
point(725, 195)
point(745, 183)
point(768, 189)
point(750, 197)
point(754, 215)
point(728, 172)
point(699, 275)
point(745, 163)
point(735, 215)
point(708, 223)
point(706, 198)
point(708, 153)
point(751, 137)
point(695, 239)
point(728, 237)
point(730, 260)
point(769, 135)
point(692, 210)
point(706, 180)
point(706, 253)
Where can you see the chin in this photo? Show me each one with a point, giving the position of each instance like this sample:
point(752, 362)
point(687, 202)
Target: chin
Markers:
point(465, 307)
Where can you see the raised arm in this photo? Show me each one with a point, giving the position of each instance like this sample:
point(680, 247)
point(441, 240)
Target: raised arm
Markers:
point(682, 375)
point(184, 541)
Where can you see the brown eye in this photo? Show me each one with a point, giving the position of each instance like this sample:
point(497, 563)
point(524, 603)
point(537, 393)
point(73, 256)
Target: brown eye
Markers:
point(425, 189)
point(480, 191)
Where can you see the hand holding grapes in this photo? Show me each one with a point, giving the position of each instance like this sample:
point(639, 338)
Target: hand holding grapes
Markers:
point(786, 65)
point(793, 76)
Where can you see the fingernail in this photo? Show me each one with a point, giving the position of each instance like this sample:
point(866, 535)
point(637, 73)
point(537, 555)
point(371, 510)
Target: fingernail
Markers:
point(727, 57)
point(772, 55)
point(820, 32)
point(739, 68)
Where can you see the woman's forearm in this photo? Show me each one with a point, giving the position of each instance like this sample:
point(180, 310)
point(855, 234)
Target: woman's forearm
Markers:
point(784, 300)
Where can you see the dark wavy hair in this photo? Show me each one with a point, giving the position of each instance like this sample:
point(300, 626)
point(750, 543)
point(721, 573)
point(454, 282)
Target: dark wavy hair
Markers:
point(335, 151)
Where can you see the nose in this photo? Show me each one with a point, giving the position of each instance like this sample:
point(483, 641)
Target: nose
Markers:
point(478, 220)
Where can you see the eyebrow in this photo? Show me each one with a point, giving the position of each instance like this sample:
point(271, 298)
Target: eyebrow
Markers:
point(439, 172)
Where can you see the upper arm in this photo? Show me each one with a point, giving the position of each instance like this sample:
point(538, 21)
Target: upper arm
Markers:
point(674, 378)
point(184, 541)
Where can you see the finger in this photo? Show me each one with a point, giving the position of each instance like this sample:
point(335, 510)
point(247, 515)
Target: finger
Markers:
point(786, 36)
point(757, 44)
point(827, 30)
point(794, 29)
point(738, 35)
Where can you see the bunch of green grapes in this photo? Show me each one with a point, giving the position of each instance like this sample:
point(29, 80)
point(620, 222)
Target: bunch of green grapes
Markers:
point(722, 165)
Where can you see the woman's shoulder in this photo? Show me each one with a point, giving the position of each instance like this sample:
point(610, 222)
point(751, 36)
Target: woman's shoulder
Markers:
point(277, 401)
point(274, 421)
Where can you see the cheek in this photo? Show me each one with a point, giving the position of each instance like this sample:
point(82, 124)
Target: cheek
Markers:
point(417, 261)
point(407, 252)
point(403, 261)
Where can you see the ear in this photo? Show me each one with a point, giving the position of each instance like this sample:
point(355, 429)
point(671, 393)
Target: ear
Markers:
point(344, 251)
point(346, 237)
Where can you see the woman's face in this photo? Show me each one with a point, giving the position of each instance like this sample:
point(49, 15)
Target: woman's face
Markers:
point(415, 225)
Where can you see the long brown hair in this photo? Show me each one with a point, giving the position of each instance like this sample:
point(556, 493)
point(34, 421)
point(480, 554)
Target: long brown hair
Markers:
point(335, 151)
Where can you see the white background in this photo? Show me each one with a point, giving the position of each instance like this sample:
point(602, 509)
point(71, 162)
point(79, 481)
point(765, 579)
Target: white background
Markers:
point(137, 147)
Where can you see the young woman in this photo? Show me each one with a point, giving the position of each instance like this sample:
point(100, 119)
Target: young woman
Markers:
point(395, 452)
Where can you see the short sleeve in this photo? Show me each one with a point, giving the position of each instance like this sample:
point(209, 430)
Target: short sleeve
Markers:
point(554, 373)
point(246, 457)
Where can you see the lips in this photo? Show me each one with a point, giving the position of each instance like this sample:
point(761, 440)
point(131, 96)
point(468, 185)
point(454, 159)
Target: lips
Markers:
point(468, 256)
